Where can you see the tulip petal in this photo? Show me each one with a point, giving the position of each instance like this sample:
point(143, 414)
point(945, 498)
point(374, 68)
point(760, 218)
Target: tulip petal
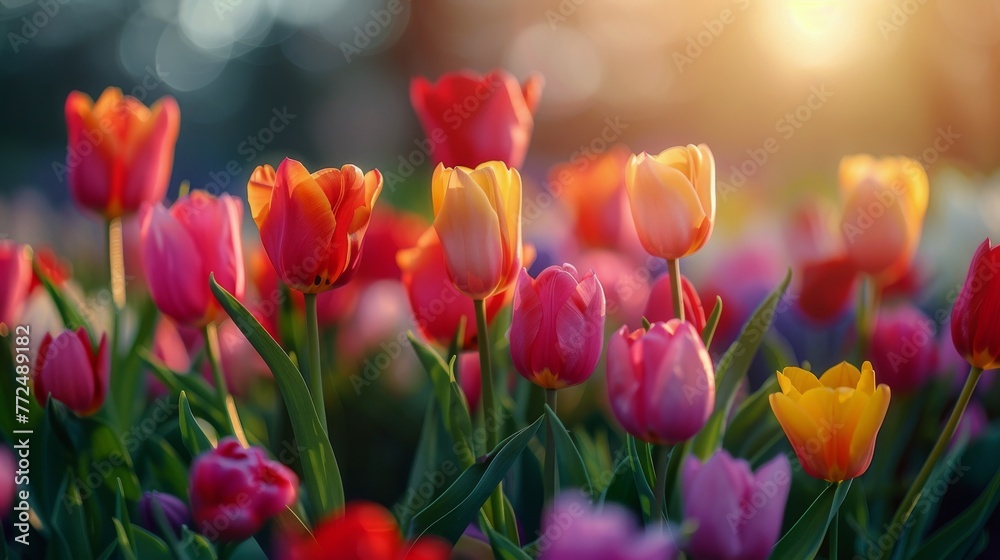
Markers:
point(841, 375)
point(259, 189)
point(798, 380)
point(666, 210)
point(526, 320)
point(169, 255)
point(470, 235)
point(712, 499)
point(802, 431)
point(152, 161)
point(759, 533)
point(862, 445)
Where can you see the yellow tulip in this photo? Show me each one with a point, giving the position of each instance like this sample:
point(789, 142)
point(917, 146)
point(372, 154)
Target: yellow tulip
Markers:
point(477, 215)
point(832, 421)
point(885, 201)
point(672, 196)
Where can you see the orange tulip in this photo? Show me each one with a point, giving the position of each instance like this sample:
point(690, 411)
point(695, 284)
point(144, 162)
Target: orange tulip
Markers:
point(672, 196)
point(885, 201)
point(120, 152)
point(594, 191)
point(313, 226)
point(477, 215)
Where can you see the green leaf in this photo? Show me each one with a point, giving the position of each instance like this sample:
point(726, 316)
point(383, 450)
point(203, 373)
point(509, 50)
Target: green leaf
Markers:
point(450, 514)
point(572, 470)
point(107, 455)
point(124, 543)
point(754, 423)
point(641, 465)
point(200, 395)
point(503, 548)
point(732, 369)
point(192, 435)
point(165, 465)
point(450, 398)
point(149, 545)
point(433, 458)
point(70, 313)
point(960, 534)
point(70, 519)
point(123, 526)
point(646, 324)
point(323, 482)
point(196, 546)
point(712, 323)
point(248, 550)
point(803, 540)
point(127, 381)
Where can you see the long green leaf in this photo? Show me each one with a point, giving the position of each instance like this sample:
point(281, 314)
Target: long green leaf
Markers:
point(456, 417)
point(732, 369)
point(149, 546)
point(323, 482)
point(754, 423)
point(192, 435)
point(450, 514)
point(127, 382)
point(70, 518)
point(960, 534)
point(572, 471)
point(69, 312)
point(503, 548)
point(805, 537)
point(712, 323)
point(641, 466)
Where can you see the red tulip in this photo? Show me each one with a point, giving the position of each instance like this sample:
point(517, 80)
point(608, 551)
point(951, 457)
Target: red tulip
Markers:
point(55, 269)
point(120, 152)
point(903, 348)
point(470, 119)
point(182, 247)
point(71, 370)
point(557, 327)
point(661, 382)
point(470, 378)
point(234, 490)
point(975, 319)
point(660, 306)
point(437, 305)
point(827, 287)
point(15, 281)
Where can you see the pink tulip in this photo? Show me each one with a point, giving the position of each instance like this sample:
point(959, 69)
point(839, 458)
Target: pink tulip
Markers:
point(8, 489)
point(661, 382)
point(903, 348)
point(470, 378)
point(738, 513)
point(15, 279)
point(71, 370)
point(181, 247)
point(557, 327)
point(169, 348)
point(573, 529)
point(233, 490)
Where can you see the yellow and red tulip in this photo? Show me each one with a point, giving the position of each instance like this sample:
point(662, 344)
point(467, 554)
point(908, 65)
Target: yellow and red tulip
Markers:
point(975, 319)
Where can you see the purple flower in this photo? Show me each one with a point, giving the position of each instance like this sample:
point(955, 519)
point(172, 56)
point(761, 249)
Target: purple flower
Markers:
point(738, 513)
point(175, 511)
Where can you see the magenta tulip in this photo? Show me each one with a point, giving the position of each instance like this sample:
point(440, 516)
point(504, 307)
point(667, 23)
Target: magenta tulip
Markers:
point(738, 513)
point(181, 247)
point(903, 348)
point(557, 327)
point(15, 281)
point(661, 382)
point(73, 372)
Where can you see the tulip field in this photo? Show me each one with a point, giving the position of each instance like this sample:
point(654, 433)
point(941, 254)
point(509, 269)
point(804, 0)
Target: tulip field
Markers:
point(646, 348)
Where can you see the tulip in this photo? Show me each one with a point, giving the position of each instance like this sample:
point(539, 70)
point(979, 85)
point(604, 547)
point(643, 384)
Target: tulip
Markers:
point(470, 118)
point(903, 348)
point(8, 488)
point(15, 281)
point(168, 347)
point(469, 378)
point(831, 421)
point(738, 512)
point(477, 216)
point(572, 529)
point(52, 267)
point(175, 512)
point(826, 288)
point(672, 196)
point(313, 226)
point(120, 152)
point(182, 247)
point(660, 306)
point(660, 382)
point(71, 370)
point(438, 307)
point(884, 205)
point(594, 191)
point(975, 328)
point(234, 490)
point(557, 327)
point(365, 531)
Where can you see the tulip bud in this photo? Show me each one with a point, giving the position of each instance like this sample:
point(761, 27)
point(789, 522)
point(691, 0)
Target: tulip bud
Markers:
point(175, 512)
point(738, 512)
point(120, 152)
point(477, 216)
point(661, 382)
point(557, 326)
point(831, 421)
point(975, 328)
point(71, 370)
point(470, 118)
point(884, 205)
point(660, 306)
point(234, 490)
point(903, 348)
point(672, 196)
point(313, 226)
point(15, 279)
point(183, 247)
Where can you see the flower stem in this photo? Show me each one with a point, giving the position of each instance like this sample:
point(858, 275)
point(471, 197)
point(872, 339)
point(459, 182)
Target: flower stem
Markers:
point(834, 533)
point(490, 411)
point(674, 267)
point(211, 334)
point(867, 315)
point(315, 371)
point(913, 495)
point(116, 269)
point(551, 472)
point(662, 464)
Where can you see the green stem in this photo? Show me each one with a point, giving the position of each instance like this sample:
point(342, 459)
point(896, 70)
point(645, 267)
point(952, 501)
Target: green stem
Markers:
point(913, 495)
point(834, 534)
point(551, 473)
point(867, 315)
point(211, 335)
point(490, 410)
point(662, 464)
point(674, 267)
point(315, 371)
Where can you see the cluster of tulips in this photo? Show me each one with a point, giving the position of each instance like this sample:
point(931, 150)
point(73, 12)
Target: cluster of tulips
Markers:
point(676, 401)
